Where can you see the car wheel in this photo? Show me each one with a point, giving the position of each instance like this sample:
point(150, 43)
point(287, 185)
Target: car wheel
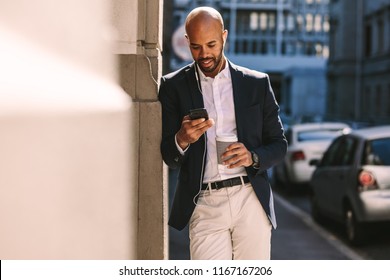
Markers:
point(354, 229)
point(315, 211)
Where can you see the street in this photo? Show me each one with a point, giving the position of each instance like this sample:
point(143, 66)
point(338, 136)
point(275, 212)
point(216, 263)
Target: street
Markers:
point(378, 245)
point(297, 236)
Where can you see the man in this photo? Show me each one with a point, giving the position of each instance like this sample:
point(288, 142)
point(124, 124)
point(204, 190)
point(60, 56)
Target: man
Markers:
point(229, 206)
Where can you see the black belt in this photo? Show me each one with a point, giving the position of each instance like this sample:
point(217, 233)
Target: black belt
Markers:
point(226, 183)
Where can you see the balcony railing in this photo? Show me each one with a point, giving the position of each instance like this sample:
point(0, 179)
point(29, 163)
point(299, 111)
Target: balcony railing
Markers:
point(257, 4)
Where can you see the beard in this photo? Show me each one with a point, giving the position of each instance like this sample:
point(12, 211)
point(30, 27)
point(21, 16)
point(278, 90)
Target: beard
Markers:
point(216, 62)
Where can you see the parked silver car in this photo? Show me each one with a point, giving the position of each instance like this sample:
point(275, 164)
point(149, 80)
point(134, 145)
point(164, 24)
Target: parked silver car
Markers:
point(351, 183)
point(306, 142)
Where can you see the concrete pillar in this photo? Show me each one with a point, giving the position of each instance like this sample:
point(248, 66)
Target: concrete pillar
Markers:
point(138, 46)
point(69, 154)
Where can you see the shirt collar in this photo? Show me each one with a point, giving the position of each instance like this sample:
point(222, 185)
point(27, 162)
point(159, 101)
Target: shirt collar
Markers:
point(225, 73)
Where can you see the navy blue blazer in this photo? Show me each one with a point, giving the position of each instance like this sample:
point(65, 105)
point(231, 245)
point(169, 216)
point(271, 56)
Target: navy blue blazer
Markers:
point(258, 127)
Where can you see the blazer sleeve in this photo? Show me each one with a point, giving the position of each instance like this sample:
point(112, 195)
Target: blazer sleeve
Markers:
point(171, 123)
point(274, 143)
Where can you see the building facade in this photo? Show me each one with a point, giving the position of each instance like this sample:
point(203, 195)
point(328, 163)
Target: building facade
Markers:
point(359, 62)
point(288, 39)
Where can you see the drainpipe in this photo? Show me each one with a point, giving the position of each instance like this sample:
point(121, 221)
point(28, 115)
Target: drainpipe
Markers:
point(358, 60)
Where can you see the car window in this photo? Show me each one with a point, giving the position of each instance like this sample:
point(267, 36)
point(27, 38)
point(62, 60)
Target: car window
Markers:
point(319, 134)
point(330, 156)
point(347, 151)
point(377, 152)
point(340, 153)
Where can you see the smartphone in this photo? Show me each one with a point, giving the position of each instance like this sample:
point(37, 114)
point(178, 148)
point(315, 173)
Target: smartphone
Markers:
point(198, 114)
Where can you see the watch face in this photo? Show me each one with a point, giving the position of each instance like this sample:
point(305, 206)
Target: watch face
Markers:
point(255, 158)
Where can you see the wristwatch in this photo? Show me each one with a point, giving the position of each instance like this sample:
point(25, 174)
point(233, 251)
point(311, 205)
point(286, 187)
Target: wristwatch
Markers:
point(256, 160)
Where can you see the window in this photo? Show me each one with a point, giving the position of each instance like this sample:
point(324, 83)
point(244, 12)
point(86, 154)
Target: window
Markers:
point(319, 134)
point(325, 51)
point(245, 46)
point(317, 23)
point(330, 156)
point(325, 24)
point(309, 22)
point(264, 47)
point(347, 151)
point(253, 22)
point(271, 47)
point(290, 23)
point(341, 152)
point(318, 48)
point(272, 24)
point(377, 152)
point(368, 46)
point(263, 21)
point(237, 46)
point(253, 47)
point(287, 48)
point(300, 23)
point(300, 47)
point(381, 35)
point(309, 48)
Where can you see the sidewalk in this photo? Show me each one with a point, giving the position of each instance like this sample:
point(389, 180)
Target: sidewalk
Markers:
point(297, 237)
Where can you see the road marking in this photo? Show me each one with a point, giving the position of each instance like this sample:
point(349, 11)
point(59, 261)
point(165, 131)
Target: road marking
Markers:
point(331, 238)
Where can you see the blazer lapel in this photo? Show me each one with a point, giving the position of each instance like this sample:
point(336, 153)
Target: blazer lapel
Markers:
point(196, 94)
point(237, 82)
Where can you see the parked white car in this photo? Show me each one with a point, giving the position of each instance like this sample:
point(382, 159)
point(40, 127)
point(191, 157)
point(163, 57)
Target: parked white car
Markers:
point(351, 183)
point(306, 142)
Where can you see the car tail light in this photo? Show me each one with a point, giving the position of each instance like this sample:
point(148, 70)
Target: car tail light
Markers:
point(367, 181)
point(298, 155)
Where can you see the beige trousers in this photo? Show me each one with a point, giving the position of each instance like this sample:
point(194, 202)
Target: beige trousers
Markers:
point(229, 223)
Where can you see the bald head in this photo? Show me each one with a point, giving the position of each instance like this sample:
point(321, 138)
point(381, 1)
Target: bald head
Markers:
point(206, 38)
point(205, 15)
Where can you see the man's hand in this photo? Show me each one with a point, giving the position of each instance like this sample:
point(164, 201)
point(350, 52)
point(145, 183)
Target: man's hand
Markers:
point(191, 130)
point(241, 156)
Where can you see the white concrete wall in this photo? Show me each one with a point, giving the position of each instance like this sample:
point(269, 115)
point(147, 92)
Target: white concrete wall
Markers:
point(69, 144)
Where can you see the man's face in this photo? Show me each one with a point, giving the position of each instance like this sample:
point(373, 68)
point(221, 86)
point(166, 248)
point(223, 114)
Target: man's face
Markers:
point(206, 40)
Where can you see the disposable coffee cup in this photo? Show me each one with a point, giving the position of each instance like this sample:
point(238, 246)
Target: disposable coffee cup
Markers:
point(222, 143)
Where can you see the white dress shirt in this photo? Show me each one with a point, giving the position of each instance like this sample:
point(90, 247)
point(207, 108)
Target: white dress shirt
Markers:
point(218, 101)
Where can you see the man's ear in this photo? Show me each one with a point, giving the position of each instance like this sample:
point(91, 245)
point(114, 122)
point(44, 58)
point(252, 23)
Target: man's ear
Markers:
point(187, 38)
point(224, 36)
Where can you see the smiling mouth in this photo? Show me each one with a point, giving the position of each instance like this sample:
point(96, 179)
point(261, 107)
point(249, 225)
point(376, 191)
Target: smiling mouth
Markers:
point(206, 62)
